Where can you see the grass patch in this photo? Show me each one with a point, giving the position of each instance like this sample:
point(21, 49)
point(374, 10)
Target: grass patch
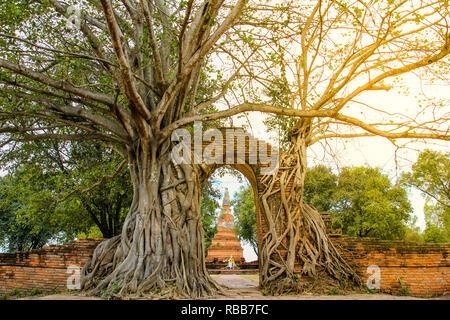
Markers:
point(334, 292)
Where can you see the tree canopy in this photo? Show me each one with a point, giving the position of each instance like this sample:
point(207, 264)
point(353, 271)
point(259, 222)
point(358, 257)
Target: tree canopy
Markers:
point(368, 205)
point(320, 187)
point(91, 78)
point(362, 200)
point(243, 204)
point(430, 174)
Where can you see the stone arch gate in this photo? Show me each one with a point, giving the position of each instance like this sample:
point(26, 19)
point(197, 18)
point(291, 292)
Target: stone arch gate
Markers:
point(237, 153)
point(255, 159)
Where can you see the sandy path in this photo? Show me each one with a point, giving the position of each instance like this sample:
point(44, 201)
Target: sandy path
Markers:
point(241, 288)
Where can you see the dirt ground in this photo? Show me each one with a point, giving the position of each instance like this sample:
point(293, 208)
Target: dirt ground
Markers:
point(244, 287)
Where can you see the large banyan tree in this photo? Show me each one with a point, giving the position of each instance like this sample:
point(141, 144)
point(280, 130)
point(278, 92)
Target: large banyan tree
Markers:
point(131, 72)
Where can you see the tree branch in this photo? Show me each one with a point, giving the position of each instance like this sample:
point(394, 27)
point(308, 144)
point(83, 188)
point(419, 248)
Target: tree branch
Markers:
point(127, 77)
point(61, 85)
point(97, 184)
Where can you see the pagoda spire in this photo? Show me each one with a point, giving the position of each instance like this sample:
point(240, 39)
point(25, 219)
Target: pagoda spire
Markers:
point(226, 199)
point(225, 243)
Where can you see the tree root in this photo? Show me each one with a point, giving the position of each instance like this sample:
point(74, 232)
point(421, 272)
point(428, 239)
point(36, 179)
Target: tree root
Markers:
point(103, 276)
point(296, 250)
point(160, 252)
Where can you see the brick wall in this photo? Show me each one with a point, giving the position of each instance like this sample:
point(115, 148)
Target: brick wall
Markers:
point(405, 268)
point(423, 270)
point(46, 268)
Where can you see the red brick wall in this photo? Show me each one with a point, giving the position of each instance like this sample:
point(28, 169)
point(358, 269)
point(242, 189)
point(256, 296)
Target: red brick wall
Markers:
point(46, 268)
point(424, 270)
point(405, 268)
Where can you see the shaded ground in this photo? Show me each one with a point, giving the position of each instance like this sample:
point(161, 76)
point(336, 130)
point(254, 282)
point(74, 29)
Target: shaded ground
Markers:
point(245, 287)
point(234, 281)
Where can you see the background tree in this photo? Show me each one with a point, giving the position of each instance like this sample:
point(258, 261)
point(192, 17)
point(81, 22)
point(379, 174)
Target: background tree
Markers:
point(430, 174)
point(243, 204)
point(209, 205)
point(368, 205)
point(15, 233)
point(63, 173)
point(27, 221)
point(88, 173)
point(413, 233)
point(320, 187)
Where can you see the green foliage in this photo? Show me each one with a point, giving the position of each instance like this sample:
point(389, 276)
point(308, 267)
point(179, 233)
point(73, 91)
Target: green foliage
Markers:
point(40, 174)
point(369, 290)
point(104, 294)
point(363, 201)
point(245, 214)
point(333, 292)
point(431, 175)
point(281, 127)
point(413, 232)
point(93, 232)
point(117, 288)
point(15, 292)
point(434, 234)
point(368, 205)
point(15, 13)
point(209, 205)
point(35, 292)
point(320, 186)
point(403, 289)
point(20, 230)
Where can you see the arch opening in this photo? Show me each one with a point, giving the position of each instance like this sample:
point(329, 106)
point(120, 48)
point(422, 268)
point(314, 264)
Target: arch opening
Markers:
point(238, 199)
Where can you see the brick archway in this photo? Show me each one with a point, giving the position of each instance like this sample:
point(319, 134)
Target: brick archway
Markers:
point(253, 169)
point(246, 163)
point(248, 173)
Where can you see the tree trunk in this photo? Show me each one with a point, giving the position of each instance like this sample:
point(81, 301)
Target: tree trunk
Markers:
point(161, 249)
point(297, 228)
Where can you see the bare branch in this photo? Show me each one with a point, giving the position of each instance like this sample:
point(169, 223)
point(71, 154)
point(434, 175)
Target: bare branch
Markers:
point(130, 87)
point(390, 135)
point(160, 77)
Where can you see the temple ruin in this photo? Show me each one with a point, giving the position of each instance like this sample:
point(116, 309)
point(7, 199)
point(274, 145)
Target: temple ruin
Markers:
point(225, 243)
